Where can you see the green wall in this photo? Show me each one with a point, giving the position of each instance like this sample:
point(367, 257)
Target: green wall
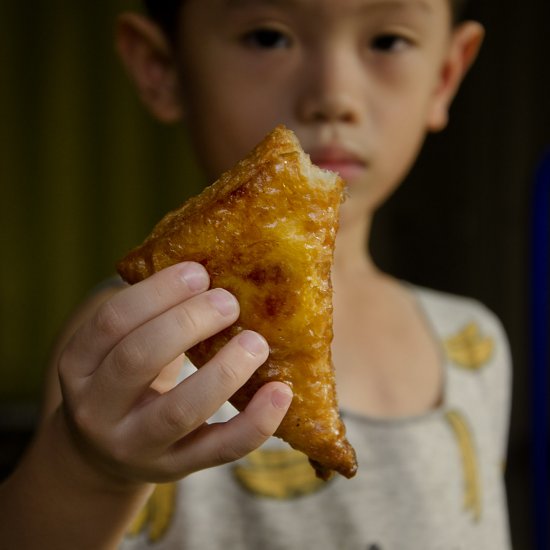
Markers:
point(84, 173)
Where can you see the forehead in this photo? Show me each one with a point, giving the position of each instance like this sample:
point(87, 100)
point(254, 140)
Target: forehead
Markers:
point(321, 5)
point(435, 13)
point(331, 10)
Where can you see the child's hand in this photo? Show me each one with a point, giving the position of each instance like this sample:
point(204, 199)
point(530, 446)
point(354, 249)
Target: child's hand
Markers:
point(129, 428)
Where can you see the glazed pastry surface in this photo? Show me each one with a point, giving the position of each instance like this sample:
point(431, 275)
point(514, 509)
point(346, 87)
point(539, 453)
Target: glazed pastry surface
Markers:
point(265, 231)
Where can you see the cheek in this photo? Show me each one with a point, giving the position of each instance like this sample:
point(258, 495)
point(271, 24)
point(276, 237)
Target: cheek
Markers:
point(217, 122)
point(227, 119)
point(405, 127)
point(398, 134)
point(226, 134)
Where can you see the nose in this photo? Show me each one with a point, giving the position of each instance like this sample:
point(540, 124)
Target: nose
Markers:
point(330, 91)
point(328, 108)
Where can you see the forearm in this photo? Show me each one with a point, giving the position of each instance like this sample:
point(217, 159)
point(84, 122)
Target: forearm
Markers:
point(55, 499)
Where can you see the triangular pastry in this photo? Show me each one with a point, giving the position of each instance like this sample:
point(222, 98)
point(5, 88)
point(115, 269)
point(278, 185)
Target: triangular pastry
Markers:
point(265, 231)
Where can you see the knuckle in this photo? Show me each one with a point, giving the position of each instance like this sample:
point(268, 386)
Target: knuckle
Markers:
point(187, 322)
point(128, 355)
point(108, 321)
point(176, 416)
point(83, 420)
point(230, 451)
point(158, 286)
point(228, 373)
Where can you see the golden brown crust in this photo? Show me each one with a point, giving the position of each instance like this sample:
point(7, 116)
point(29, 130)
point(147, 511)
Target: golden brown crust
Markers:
point(265, 231)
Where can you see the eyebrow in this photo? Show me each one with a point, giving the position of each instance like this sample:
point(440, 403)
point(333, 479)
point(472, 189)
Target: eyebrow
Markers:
point(422, 4)
point(369, 4)
point(245, 3)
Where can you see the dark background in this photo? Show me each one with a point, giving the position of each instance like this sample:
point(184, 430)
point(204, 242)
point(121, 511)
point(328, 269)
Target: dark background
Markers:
point(84, 174)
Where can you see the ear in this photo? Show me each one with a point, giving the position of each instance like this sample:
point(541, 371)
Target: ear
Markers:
point(463, 49)
point(148, 59)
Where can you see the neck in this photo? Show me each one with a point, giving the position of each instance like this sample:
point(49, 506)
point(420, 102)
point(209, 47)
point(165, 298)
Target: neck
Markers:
point(351, 256)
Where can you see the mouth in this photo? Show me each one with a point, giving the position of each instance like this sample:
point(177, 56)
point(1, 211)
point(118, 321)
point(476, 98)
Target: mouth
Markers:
point(346, 163)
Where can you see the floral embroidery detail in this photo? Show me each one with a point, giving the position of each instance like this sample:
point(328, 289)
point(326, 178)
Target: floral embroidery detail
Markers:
point(469, 348)
point(277, 473)
point(155, 517)
point(472, 489)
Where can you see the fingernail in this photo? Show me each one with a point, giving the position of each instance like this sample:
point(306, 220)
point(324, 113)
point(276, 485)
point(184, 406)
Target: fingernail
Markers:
point(281, 398)
point(195, 277)
point(223, 301)
point(252, 342)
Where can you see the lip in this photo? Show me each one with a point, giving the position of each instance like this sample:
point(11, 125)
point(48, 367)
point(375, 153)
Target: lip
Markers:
point(346, 163)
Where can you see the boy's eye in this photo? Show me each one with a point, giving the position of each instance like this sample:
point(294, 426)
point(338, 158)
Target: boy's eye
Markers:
point(266, 39)
point(389, 43)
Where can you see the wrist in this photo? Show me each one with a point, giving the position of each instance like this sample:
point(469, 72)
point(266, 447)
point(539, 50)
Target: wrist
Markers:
point(55, 492)
point(74, 462)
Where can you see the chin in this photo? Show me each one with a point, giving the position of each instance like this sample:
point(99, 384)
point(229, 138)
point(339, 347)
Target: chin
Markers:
point(354, 212)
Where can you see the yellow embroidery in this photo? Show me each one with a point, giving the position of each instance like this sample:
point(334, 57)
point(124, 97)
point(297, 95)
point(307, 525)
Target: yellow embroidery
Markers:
point(469, 348)
point(472, 489)
point(155, 517)
point(277, 473)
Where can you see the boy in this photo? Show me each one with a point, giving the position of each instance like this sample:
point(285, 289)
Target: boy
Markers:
point(422, 377)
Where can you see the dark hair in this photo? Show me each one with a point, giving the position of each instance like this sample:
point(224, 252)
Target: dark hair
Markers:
point(165, 13)
point(458, 8)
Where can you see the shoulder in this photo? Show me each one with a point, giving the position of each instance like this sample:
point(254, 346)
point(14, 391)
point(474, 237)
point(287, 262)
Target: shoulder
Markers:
point(477, 350)
point(473, 337)
point(452, 313)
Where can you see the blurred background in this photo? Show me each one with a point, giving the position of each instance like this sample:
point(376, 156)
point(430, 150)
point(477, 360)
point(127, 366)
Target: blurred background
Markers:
point(85, 173)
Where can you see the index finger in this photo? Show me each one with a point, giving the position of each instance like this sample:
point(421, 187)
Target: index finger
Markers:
point(128, 310)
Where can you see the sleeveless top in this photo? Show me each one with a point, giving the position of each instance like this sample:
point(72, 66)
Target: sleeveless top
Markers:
point(427, 482)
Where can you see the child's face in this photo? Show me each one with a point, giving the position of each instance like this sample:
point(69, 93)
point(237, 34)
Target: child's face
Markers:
point(357, 80)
